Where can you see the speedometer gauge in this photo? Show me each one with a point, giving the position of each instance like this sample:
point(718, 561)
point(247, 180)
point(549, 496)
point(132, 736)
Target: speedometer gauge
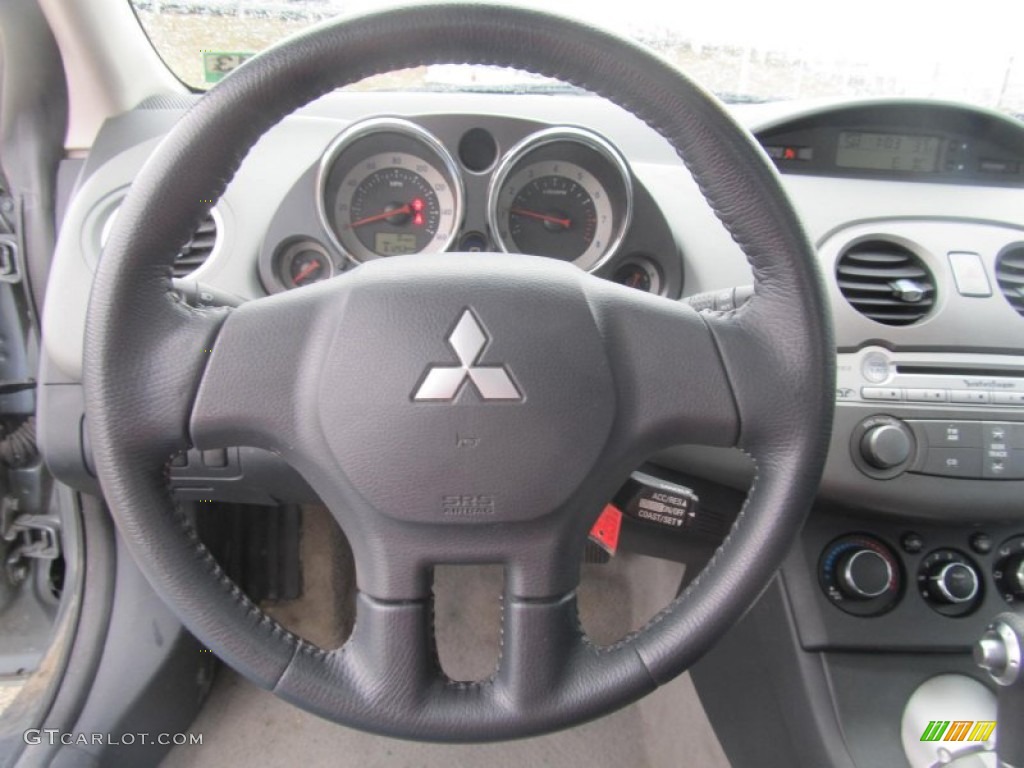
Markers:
point(389, 188)
point(564, 193)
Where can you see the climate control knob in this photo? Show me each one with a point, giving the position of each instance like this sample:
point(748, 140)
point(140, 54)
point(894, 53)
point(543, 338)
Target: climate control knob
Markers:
point(1009, 570)
point(950, 582)
point(861, 575)
point(954, 583)
point(886, 446)
point(864, 574)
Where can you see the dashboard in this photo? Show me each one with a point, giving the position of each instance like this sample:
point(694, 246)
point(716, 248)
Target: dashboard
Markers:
point(914, 208)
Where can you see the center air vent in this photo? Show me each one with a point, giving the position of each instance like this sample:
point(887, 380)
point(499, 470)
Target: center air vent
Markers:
point(192, 255)
point(1010, 276)
point(885, 282)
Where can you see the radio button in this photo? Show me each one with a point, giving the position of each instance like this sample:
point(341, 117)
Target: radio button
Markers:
point(1004, 434)
point(927, 395)
point(969, 396)
point(953, 462)
point(951, 434)
point(1008, 398)
point(881, 393)
point(1007, 467)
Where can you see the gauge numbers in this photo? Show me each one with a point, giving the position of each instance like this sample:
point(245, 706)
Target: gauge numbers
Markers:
point(394, 203)
point(389, 187)
point(564, 193)
point(557, 209)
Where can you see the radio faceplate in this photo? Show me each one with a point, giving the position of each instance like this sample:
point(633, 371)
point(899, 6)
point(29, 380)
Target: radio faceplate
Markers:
point(992, 383)
point(925, 389)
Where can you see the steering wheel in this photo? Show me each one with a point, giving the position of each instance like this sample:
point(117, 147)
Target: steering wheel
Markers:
point(571, 383)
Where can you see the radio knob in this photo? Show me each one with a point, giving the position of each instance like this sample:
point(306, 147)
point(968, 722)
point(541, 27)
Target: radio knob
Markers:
point(864, 574)
point(885, 446)
point(953, 583)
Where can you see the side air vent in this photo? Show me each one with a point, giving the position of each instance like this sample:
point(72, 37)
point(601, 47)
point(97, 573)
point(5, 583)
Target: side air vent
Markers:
point(885, 282)
point(192, 255)
point(198, 249)
point(1010, 276)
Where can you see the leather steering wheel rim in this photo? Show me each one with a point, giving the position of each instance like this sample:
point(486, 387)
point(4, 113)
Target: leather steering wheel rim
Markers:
point(161, 376)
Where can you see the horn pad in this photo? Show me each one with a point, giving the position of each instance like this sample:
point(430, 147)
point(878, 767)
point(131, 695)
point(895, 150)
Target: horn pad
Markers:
point(442, 370)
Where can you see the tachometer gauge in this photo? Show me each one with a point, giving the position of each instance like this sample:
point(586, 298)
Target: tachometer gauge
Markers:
point(563, 193)
point(388, 188)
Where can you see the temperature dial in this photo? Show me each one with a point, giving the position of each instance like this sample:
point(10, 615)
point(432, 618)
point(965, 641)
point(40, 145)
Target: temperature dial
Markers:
point(639, 273)
point(1009, 570)
point(950, 582)
point(860, 575)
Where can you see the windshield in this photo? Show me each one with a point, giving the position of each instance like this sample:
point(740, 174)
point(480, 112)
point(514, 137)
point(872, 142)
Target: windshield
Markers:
point(744, 50)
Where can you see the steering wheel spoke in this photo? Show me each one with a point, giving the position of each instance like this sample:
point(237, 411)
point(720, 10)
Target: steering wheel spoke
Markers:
point(259, 382)
point(765, 363)
point(671, 383)
point(539, 640)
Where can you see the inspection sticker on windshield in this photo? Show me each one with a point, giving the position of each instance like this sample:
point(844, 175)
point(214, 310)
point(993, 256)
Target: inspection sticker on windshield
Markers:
point(218, 64)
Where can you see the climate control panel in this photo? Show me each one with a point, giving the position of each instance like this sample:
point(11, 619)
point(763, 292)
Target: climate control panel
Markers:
point(862, 575)
point(859, 582)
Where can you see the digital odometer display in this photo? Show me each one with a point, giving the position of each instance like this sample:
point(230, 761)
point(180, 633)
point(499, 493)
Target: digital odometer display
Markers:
point(888, 152)
point(393, 244)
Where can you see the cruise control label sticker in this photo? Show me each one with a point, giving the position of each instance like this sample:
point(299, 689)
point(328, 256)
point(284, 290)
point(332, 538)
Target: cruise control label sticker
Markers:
point(665, 509)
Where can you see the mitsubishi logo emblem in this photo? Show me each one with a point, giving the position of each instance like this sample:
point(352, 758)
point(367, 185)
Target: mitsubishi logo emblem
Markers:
point(443, 382)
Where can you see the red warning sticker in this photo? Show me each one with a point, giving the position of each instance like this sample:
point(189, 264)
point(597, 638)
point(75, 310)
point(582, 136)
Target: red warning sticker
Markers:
point(605, 532)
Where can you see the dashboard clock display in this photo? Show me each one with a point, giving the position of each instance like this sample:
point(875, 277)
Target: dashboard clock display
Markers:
point(564, 193)
point(389, 189)
point(888, 151)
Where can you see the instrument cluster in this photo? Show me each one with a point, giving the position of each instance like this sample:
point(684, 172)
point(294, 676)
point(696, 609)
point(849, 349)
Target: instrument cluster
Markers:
point(389, 186)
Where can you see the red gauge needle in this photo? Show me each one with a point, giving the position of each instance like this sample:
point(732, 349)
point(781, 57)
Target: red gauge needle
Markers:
point(306, 271)
point(404, 210)
point(542, 216)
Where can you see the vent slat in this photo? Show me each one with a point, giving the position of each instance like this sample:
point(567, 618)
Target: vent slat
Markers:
point(888, 303)
point(881, 273)
point(877, 257)
point(851, 286)
point(867, 274)
point(872, 289)
point(1010, 276)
